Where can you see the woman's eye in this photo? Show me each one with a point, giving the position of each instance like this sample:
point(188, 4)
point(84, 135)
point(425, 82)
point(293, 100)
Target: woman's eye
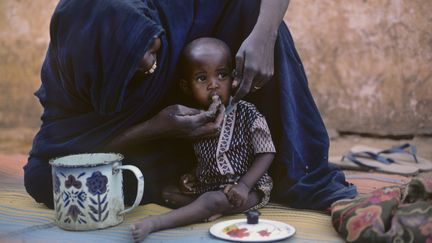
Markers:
point(201, 78)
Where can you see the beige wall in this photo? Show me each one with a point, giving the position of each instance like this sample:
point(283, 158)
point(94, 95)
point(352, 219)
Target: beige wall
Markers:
point(369, 62)
point(23, 40)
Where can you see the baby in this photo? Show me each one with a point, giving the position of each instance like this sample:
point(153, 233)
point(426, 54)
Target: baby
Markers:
point(231, 172)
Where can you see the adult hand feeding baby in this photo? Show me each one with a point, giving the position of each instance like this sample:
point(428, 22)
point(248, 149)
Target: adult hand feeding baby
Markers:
point(215, 114)
point(216, 105)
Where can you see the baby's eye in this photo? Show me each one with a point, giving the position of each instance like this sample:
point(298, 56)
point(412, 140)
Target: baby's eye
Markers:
point(201, 78)
point(222, 75)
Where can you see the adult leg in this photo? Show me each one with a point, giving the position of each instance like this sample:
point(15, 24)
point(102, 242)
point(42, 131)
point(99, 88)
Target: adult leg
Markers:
point(38, 181)
point(303, 178)
point(161, 162)
point(205, 206)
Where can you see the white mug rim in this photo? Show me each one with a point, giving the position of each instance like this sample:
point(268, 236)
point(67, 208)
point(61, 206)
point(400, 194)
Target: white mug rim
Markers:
point(104, 159)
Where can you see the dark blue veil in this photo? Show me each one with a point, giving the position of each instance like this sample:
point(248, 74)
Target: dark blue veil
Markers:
point(90, 94)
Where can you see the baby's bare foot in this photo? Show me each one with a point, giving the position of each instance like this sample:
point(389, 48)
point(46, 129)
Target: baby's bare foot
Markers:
point(143, 227)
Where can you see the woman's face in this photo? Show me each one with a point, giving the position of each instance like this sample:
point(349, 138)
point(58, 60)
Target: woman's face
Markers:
point(148, 62)
point(209, 75)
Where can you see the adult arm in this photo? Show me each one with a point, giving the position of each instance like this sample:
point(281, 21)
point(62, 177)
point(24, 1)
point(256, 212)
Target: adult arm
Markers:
point(238, 194)
point(173, 121)
point(255, 57)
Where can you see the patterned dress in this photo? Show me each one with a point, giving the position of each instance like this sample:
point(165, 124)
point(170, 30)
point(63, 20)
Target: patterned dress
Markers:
point(225, 158)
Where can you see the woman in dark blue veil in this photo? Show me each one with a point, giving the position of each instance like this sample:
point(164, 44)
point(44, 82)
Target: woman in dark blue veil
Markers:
point(95, 100)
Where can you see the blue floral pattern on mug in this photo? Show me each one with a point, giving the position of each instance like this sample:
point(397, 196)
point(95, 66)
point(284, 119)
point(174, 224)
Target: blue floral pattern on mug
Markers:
point(74, 199)
point(56, 184)
point(57, 197)
point(73, 214)
point(97, 183)
point(97, 186)
point(72, 182)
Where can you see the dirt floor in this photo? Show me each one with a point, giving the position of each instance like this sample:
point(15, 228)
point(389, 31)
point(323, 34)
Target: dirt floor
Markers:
point(340, 144)
point(18, 141)
point(15, 144)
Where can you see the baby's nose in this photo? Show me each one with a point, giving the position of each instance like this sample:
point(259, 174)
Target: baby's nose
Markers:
point(214, 83)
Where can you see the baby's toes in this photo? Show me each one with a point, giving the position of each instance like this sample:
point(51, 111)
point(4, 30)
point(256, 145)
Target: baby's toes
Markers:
point(137, 236)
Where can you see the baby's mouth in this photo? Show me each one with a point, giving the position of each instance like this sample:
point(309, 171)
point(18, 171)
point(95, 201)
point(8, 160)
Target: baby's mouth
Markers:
point(213, 95)
point(215, 103)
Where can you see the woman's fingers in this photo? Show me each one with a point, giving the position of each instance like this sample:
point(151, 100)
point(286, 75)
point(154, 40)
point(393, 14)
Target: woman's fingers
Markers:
point(193, 123)
point(181, 110)
point(239, 63)
point(220, 116)
point(245, 84)
point(258, 82)
point(250, 77)
point(216, 102)
point(197, 119)
point(254, 64)
point(212, 126)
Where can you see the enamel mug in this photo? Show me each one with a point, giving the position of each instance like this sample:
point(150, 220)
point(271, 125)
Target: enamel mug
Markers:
point(88, 190)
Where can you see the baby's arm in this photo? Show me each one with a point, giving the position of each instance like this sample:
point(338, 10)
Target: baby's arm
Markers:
point(259, 166)
point(264, 153)
point(238, 194)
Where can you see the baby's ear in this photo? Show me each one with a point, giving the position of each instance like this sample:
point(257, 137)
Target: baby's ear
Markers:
point(184, 86)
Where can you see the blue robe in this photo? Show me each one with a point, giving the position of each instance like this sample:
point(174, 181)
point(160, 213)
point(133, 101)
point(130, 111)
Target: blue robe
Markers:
point(90, 95)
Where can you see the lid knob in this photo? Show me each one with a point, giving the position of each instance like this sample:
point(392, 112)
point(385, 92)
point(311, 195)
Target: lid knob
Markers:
point(252, 216)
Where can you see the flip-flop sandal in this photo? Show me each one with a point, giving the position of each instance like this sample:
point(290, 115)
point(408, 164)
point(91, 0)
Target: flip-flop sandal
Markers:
point(367, 161)
point(405, 154)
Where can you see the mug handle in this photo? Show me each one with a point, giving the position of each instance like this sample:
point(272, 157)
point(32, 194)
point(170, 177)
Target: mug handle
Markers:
point(140, 189)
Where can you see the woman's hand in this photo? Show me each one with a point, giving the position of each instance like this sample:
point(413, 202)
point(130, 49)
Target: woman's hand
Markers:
point(255, 57)
point(237, 194)
point(183, 121)
point(254, 64)
point(173, 121)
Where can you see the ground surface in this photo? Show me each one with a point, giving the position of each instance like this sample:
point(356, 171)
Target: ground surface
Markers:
point(15, 144)
point(18, 141)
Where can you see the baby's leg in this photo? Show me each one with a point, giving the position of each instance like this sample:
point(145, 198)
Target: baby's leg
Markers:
point(174, 198)
point(205, 206)
point(253, 200)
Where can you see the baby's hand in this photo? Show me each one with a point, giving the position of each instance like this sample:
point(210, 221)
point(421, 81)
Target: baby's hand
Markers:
point(237, 194)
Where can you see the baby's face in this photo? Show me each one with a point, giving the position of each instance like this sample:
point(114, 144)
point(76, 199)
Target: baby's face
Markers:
point(209, 75)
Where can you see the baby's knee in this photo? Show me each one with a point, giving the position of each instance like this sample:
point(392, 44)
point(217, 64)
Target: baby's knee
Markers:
point(215, 201)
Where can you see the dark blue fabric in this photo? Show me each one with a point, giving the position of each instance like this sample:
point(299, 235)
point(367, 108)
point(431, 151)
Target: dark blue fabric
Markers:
point(90, 94)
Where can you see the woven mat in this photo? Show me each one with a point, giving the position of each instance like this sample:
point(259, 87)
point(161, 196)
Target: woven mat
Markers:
point(24, 220)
